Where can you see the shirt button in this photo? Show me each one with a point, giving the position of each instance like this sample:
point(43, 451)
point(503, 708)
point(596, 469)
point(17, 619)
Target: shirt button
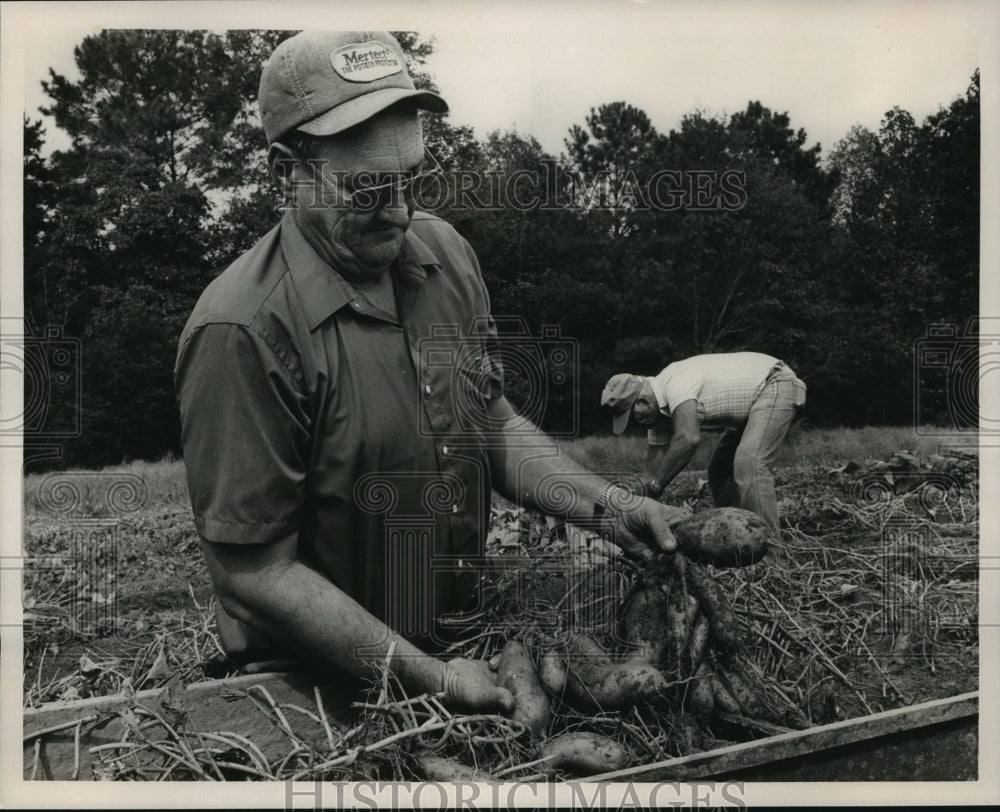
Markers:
point(454, 508)
point(356, 305)
point(427, 389)
point(444, 450)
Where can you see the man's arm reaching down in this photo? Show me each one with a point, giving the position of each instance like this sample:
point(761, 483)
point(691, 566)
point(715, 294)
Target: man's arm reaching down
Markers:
point(268, 588)
point(683, 444)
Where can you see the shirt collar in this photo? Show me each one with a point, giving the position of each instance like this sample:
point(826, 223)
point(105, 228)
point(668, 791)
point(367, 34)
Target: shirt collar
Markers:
point(322, 291)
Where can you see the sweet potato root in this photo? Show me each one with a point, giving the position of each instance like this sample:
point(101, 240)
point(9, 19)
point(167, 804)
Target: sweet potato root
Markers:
point(552, 673)
point(746, 696)
point(584, 753)
point(700, 697)
point(517, 674)
point(727, 630)
point(596, 682)
point(724, 537)
point(678, 626)
point(724, 699)
point(698, 644)
point(644, 625)
point(435, 768)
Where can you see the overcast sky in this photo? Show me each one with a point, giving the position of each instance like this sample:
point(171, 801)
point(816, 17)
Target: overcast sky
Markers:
point(540, 68)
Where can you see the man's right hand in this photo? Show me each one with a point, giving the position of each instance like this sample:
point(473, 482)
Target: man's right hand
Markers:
point(471, 685)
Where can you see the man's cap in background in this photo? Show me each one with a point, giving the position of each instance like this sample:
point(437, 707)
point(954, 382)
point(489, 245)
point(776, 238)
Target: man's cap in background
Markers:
point(619, 395)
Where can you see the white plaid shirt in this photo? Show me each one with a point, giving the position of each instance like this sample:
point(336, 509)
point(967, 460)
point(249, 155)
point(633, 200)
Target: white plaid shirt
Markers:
point(724, 385)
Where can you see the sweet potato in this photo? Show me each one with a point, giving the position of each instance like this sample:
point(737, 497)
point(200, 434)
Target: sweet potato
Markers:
point(724, 537)
point(552, 672)
point(596, 682)
point(643, 625)
point(698, 644)
point(679, 629)
point(745, 695)
point(726, 627)
point(724, 699)
point(517, 674)
point(584, 753)
point(435, 768)
point(700, 697)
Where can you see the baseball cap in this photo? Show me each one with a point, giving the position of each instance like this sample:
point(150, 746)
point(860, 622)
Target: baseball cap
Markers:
point(619, 395)
point(324, 82)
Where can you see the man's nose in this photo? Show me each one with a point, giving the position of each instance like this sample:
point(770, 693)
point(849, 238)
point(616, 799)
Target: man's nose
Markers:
point(395, 212)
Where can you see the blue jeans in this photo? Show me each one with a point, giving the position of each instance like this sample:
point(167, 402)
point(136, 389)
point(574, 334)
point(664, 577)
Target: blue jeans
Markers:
point(739, 472)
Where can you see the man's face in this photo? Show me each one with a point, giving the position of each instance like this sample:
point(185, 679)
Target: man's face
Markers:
point(645, 409)
point(361, 244)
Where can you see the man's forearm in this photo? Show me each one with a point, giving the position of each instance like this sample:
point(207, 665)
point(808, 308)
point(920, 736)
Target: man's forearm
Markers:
point(678, 455)
point(529, 468)
point(303, 610)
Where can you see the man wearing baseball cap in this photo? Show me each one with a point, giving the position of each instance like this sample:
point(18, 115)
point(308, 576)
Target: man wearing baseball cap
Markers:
point(751, 396)
point(342, 408)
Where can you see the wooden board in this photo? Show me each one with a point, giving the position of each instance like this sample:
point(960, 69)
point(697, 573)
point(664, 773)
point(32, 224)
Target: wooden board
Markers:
point(218, 705)
point(825, 741)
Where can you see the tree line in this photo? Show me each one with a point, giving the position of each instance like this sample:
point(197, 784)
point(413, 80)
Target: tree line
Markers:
point(640, 247)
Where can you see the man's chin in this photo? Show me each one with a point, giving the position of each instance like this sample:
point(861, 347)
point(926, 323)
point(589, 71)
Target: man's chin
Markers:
point(381, 250)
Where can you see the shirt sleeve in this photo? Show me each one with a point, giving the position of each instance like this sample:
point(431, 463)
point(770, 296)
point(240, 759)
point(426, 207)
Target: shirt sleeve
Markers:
point(244, 431)
point(681, 387)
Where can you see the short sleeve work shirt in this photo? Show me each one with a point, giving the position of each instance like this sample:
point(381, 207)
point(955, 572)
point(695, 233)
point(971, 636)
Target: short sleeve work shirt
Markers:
point(307, 411)
point(724, 385)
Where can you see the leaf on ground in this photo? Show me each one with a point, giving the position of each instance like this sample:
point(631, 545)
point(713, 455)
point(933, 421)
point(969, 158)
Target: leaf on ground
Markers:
point(159, 669)
point(88, 666)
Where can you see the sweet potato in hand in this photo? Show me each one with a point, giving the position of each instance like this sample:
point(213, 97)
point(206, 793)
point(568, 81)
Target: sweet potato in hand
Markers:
point(517, 674)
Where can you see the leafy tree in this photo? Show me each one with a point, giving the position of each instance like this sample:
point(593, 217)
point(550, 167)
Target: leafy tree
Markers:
point(767, 135)
point(911, 210)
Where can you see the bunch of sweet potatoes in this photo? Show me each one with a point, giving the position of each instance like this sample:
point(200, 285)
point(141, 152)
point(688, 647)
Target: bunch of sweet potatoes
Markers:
point(675, 614)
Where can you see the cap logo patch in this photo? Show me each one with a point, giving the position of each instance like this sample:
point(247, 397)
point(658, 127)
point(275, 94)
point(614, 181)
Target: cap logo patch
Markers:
point(366, 62)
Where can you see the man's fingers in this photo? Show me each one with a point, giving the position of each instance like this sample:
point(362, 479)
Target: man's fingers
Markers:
point(662, 534)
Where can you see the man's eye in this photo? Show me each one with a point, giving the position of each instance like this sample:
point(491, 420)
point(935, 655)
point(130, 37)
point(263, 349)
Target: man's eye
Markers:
point(364, 199)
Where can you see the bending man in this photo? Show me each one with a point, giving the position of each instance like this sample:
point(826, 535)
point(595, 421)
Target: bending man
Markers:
point(752, 396)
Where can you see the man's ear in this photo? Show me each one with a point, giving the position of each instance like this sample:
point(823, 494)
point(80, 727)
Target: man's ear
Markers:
point(280, 162)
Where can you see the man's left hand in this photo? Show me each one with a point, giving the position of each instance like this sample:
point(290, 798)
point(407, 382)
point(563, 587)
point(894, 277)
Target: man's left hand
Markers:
point(649, 488)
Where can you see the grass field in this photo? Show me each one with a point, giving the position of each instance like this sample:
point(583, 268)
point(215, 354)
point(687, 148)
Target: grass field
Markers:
point(801, 447)
point(165, 479)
